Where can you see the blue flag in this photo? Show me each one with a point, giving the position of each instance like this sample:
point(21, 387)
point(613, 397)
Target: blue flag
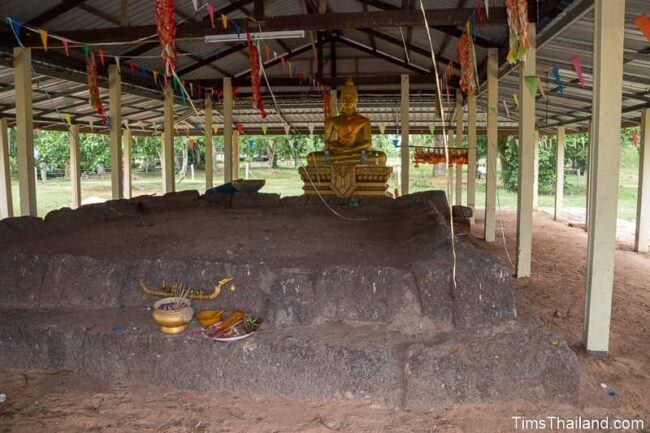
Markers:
point(560, 87)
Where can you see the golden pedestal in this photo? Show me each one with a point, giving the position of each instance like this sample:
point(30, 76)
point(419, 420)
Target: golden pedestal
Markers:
point(345, 180)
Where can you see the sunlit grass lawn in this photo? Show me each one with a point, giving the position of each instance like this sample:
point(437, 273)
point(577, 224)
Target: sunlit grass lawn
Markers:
point(285, 180)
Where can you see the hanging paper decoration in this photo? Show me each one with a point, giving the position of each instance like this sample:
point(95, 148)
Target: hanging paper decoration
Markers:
point(267, 50)
point(44, 38)
point(558, 81)
point(238, 31)
point(155, 77)
point(578, 68)
point(432, 128)
point(634, 139)
point(264, 128)
point(465, 55)
point(211, 13)
point(166, 26)
point(382, 128)
point(531, 84)
point(93, 87)
point(240, 128)
point(224, 21)
point(215, 129)
point(327, 112)
point(251, 143)
point(643, 23)
point(91, 123)
point(101, 55)
point(66, 48)
point(16, 26)
point(515, 97)
point(253, 59)
point(86, 51)
point(311, 128)
point(518, 29)
point(132, 67)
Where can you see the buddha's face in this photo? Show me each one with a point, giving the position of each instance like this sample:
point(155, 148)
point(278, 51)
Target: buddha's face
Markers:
point(348, 103)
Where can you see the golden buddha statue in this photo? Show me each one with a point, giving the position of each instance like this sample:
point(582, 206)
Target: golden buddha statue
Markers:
point(348, 136)
point(348, 167)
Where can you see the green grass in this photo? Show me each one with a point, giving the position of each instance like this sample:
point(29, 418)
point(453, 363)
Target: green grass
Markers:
point(285, 180)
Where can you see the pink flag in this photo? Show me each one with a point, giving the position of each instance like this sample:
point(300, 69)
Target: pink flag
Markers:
point(578, 67)
point(634, 138)
point(65, 47)
point(211, 12)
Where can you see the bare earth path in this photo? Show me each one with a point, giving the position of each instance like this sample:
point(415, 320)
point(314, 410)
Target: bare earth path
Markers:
point(65, 402)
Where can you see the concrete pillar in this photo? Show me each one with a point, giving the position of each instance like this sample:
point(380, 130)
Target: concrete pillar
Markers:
point(526, 161)
point(492, 132)
point(25, 130)
point(471, 155)
point(126, 142)
point(536, 173)
point(451, 140)
point(589, 164)
point(208, 141)
point(75, 171)
point(6, 203)
point(115, 108)
point(169, 180)
point(404, 151)
point(227, 130)
point(609, 32)
point(459, 143)
point(459, 184)
point(235, 154)
point(334, 104)
point(559, 173)
point(643, 196)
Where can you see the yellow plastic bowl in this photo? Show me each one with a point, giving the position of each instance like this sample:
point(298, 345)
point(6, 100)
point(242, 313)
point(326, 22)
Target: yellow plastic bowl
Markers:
point(208, 318)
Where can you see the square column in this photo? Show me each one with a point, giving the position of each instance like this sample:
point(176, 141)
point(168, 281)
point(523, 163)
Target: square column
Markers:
point(559, 173)
point(208, 141)
point(235, 154)
point(75, 172)
point(536, 173)
point(526, 161)
point(404, 150)
point(169, 181)
point(115, 109)
point(128, 189)
point(25, 131)
point(6, 203)
point(227, 130)
point(492, 132)
point(471, 154)
point(609, 32)
point(459, 143)
point(643, 196)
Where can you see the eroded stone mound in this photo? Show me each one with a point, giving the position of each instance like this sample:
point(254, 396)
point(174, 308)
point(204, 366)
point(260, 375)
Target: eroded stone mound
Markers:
point(362, 304)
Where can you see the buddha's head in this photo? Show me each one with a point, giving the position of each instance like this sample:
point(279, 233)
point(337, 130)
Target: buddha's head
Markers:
point(349, 98)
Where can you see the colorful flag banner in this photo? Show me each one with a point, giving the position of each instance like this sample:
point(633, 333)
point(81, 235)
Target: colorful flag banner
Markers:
point(578, 68)
point(558, 81)
point(531, 84)
point(44, 38)
point(643, 23)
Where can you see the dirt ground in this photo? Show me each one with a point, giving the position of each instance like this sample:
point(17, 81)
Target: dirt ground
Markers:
point(66, 402)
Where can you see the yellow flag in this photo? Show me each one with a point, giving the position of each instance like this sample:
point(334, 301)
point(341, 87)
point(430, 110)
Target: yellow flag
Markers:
point(155, 77)
point(44, 38)
point(290, 70)
point(224, 20)
point(516, 98)
point(67, 118)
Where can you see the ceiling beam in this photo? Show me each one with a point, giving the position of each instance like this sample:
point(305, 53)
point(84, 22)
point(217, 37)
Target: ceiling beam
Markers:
point(272, 62)
point(327, 21)
point(56, 11)
point(210, 59)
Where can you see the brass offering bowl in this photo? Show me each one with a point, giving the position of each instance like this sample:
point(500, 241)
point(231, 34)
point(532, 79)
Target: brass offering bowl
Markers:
point(172, 321)
point(208, 318)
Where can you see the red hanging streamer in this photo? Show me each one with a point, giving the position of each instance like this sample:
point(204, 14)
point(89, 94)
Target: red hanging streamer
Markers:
point(93, 87)
point(253, 58)
point(518, 29)
point(327, 112)
point(465, 54)
point(166, 26)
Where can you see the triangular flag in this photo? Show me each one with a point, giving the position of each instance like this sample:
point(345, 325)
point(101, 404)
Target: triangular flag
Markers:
point(65, 46)
point(211, 13)
point(126, 124)
point(141, 124)
point(143, 71)
point(44, 38)
point(634, 138)
point(487, 8)
point(91, 123)
point(267, 50)
point(264, 128)
point(290, 70)
point(215, 129)
point(287, 128)
point(16, 26)
point(196, 4)
point(238, 31)
point(155, 77)
point(382, 128)
point(506, 108)
point(541, 88)
point(578, 68)
point(432, 127)
point(558, 81)
point(154, 125)
point(516, 98)
point(240, 128)
point(311, 128)
point(67, 118)
point(86, 50)
point(224, 21)
point(101, 56)
point(132, 67)
point(531, 83)
point(117, 63)
point(643, 23)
